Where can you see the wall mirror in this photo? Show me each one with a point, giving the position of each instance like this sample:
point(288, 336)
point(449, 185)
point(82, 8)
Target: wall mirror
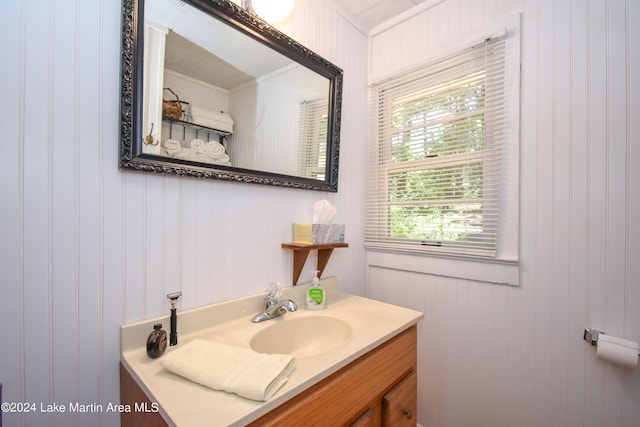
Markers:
point(210, 90)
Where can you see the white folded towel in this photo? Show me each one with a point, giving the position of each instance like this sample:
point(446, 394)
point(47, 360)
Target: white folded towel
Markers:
point(212, 119)
point(256, 376)
point(210, 114)
point(213, 123)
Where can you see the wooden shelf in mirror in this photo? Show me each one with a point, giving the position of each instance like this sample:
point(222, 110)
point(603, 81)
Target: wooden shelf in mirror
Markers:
point(301, 252)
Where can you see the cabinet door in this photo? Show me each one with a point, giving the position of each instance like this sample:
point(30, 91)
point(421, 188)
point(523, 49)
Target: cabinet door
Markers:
point(399, 406)
point(371, 418)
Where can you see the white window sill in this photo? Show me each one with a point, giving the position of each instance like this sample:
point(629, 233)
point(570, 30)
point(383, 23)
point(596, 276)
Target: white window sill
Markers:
point(496, 271)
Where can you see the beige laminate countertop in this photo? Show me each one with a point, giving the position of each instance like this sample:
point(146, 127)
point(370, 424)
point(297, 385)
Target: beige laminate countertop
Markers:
point(184, 403)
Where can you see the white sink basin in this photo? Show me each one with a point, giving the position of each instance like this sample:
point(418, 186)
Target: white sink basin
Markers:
point(302, 336)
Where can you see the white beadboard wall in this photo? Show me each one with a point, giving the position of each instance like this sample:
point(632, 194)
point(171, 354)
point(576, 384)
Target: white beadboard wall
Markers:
point(85, 247)
point(496, 355)
point(272, 103)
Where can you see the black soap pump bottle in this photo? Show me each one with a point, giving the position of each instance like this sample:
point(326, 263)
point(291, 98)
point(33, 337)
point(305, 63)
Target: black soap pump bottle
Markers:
point(157, 342)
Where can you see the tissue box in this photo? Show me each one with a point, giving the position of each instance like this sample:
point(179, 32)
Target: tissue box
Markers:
point(313, 234)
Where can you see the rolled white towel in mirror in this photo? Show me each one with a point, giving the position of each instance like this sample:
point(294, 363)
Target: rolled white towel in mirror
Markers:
point(223, 160)
point(186, 154)
point(214, 149)
point(218, 160)
point(197, 145)
point(172, 146)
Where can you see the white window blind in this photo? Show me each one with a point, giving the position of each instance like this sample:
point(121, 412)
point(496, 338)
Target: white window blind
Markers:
point(436, 157)
point(312, 157)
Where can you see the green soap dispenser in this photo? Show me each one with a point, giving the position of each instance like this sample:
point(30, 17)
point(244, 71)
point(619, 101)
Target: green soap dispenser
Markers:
point(315, 294)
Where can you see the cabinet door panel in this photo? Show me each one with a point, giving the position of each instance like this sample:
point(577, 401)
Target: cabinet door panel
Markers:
point(371, 418)
point(401, 403)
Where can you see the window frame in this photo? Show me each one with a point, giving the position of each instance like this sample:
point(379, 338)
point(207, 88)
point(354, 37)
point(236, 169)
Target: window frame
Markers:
point(313, 130)
point(506, 242)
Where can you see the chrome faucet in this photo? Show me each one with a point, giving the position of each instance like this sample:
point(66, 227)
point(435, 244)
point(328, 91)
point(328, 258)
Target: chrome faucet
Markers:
point(272, 307)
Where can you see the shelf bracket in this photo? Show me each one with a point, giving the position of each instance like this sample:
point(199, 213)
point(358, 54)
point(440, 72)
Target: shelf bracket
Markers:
point(301, 253)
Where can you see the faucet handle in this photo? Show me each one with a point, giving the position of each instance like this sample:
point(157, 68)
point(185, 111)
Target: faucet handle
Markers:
point(274, 291)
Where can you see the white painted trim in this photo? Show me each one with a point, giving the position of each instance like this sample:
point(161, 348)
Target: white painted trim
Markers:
point(502, 271)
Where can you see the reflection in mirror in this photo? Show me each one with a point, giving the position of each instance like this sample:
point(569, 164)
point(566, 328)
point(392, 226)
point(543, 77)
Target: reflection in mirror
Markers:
point(221, 104)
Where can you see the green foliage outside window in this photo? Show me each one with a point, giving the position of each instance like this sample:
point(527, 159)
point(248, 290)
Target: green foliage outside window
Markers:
point(432, 200)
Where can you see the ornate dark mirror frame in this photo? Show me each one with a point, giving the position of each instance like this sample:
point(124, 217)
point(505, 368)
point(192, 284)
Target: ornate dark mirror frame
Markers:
point(131, 155)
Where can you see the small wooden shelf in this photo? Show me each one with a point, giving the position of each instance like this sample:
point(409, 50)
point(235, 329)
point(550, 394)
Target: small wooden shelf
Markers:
point(301, 252)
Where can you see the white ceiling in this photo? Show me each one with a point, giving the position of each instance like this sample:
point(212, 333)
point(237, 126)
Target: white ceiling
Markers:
point(374, 12)
point(170, 13)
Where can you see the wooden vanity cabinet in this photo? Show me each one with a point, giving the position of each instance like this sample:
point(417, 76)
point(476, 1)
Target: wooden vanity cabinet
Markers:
point(371, 418)
point(132, 396)
point(397, 409)
point(377, 389)
point(400, 405)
